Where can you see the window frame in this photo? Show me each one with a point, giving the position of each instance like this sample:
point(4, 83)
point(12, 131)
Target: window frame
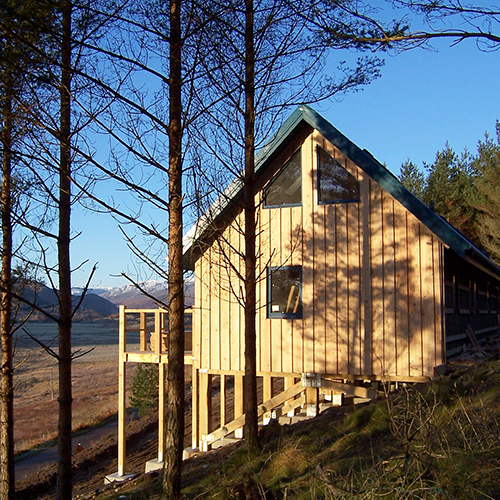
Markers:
point(282, 315)
point(318, 180)
point(270, 183)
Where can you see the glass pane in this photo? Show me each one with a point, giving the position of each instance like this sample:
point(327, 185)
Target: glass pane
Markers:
point(285, 292)
point(336, 184)
point(286, 187)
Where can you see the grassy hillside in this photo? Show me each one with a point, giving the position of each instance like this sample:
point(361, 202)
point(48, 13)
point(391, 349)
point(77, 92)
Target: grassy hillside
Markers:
point(436, 441)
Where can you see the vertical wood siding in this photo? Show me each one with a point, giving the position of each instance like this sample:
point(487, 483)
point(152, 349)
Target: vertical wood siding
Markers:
point(371, 284)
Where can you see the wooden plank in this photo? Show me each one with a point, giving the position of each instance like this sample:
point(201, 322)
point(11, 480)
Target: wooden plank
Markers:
point(288, 382)
point(427, 303)
point(267, 387)
point(205, 298)
point(309, 254)
point(142, 357)
point(143, 336)
point(225, 309)
point(349, 389)
point(197, 316)
point(366, 281)
point(217, 261)
point(286, 258)
point(342, 289)
point(161, 412)
point(291, 405)
point(222, 393)
point(235, 314)
point(264, 346)
point(122, 392)
point(280, 398)
point(157, 334)
point(354, 273)
point(297, 260)
point(331, 285)
point(389, 300)
point(377, 295)
point(238, 400)
point(276, 324)
point(312, 401)
point(263, 408)
point(414, 288)
point(401, 290)
point(194, 408)
point(205, 407)
point(331, 327)
point(319, 270)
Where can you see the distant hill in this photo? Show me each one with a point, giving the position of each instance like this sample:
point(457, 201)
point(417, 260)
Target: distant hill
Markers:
point(92, 307)
point(132, 297)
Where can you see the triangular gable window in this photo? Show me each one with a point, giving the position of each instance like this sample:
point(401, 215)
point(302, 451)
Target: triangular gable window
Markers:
point(335, 183)
point(285, 189)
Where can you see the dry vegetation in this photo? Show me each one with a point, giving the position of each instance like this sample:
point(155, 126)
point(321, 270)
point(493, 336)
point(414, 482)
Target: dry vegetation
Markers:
point(95, 385)
point(436, 441)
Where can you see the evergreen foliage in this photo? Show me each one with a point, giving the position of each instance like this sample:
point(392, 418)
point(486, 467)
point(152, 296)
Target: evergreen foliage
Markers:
point(487, 193)
point(144, 388)
point(449, 187)
point(412, 178)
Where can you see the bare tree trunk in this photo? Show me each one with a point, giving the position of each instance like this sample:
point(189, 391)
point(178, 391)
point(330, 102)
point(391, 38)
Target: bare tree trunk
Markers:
point(250, 386)
point(175, 373)
point(64, 486)
point(7, 479)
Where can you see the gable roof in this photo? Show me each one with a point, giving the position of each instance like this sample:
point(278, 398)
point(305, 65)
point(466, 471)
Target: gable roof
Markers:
point(305, 115)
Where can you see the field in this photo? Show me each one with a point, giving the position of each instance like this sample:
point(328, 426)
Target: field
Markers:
point(95, 381)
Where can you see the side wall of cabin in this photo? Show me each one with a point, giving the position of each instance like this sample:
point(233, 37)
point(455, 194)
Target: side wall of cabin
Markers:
point(371, 284)
point(472, 300)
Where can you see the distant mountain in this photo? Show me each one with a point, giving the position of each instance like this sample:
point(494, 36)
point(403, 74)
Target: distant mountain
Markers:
point(132, 296)
point(92, 306)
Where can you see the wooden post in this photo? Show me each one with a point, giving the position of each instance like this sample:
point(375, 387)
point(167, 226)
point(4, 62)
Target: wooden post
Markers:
point(143, 333)
point(267, 390)
point(205, 409)
point(238, 402)
point(194, 408)
point(312, 401)
point(161, 412)
point(289, 382)
point(222, 400)
point(121, 391)
point(157, 334)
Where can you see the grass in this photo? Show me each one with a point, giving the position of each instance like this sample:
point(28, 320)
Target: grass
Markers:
point(436, 441)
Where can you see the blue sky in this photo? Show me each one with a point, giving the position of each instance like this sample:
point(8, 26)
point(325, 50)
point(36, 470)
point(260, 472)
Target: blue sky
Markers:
point(422, 100)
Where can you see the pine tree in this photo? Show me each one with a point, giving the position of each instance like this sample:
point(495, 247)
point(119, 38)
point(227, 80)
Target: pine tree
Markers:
point(412, 178)
point(144, 389)
point(487, 194)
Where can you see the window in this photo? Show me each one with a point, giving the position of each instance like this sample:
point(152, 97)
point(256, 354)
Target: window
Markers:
point(284, 292)
point(286, 187)
point(335, 183)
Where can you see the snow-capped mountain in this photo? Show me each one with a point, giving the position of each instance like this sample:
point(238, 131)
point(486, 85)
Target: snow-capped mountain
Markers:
point(141, 296)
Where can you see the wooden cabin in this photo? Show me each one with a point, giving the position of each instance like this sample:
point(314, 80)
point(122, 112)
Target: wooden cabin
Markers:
point(359, 283)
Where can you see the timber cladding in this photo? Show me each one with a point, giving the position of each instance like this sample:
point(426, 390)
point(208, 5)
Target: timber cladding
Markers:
point(370, 278)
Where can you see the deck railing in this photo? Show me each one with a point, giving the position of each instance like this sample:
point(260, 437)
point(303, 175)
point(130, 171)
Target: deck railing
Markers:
point(143, 338)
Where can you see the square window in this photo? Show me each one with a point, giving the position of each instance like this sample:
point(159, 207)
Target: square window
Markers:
point(284, 292)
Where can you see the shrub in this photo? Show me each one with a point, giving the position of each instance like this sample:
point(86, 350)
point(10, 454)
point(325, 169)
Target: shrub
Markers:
point(144, 388)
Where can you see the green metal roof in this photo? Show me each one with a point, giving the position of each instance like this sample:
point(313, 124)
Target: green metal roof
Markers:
point(450, 236)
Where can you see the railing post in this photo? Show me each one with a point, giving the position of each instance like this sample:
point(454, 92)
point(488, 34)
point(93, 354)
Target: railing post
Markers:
point(161, 412)
point(143, 331)
point(122, 395)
